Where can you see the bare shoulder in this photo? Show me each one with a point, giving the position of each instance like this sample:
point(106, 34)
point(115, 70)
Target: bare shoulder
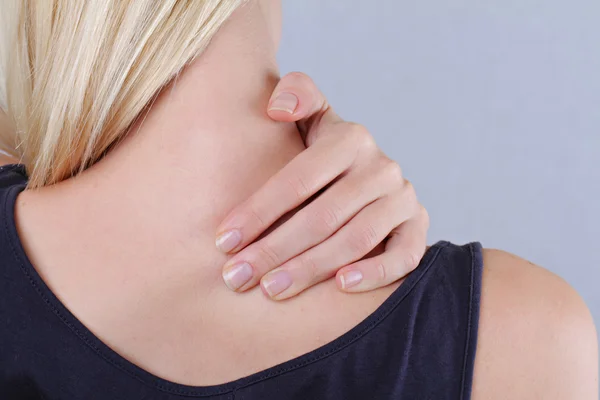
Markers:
point(536, 339)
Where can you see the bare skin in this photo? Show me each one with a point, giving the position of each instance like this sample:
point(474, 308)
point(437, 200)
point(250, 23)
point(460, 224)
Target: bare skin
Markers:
point(129, 248)
point(537, 338)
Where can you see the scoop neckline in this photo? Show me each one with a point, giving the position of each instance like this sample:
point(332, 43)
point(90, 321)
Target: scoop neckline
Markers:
point(116, 360)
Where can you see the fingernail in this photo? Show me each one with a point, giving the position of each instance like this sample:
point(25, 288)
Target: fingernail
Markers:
point(276, 282)
point(237, 275)
point(229, 240)
point(286, 102)
point(351, 278)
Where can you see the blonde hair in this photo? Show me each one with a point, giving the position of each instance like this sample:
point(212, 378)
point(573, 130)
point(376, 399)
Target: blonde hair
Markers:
point(77, 73)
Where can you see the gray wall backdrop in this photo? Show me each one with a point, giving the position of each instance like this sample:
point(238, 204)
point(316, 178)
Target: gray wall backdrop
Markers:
point(492, 108)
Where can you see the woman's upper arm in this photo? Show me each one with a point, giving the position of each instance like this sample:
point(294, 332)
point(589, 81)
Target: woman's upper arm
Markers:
point(536, 339)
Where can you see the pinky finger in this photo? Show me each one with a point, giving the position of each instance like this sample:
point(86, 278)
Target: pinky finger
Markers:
point(403, 252)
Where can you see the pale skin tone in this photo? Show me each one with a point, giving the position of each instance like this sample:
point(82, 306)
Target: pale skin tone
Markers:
point(143, 284)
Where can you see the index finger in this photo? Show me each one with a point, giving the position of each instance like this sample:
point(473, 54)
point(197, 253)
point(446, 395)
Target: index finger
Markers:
point(293, 185)
point(297, 99)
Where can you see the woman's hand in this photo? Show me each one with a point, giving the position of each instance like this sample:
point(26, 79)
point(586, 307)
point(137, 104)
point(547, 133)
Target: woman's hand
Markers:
point(366, 202)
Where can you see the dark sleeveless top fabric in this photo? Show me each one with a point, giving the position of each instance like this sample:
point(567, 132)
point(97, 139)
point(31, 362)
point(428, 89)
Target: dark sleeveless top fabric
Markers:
point(419, 344)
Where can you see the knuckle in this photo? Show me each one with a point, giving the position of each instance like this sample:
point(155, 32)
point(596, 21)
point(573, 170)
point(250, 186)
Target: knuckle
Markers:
point(256, 213)
point(363, 240)
point(409, 194)
point(409, 187)
point(392, 172)
point(324, 221)
point(381, 272)
point(268, 256)
point(300, 189)
point(310, 268)
point(360, 135)
point(412, 260)
point(423, 214)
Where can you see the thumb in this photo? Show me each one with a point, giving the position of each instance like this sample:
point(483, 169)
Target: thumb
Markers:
point(297, 99)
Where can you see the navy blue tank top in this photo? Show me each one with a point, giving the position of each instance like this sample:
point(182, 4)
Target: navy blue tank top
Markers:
point(419, 344)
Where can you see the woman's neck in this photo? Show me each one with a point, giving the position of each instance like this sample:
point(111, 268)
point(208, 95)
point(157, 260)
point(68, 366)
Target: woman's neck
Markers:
point(205, 145)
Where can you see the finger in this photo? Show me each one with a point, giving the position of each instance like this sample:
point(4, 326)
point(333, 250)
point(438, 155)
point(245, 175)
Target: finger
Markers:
point(290, 187)
point(297, 99)
point(403, 253)
point(353, 241)
point(309, 226)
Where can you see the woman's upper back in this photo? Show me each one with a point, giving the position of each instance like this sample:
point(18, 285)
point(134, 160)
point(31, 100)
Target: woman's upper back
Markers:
point(414, 340)
point(419, 341)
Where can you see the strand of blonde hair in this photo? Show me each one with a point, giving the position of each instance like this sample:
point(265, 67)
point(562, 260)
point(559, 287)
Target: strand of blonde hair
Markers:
point(77, 73)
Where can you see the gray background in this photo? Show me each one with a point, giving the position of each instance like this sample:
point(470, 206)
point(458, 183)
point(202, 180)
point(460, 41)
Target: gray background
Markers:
point(492, 108)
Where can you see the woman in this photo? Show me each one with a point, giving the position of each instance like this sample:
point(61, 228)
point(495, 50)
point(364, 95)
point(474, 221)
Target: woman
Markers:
point(111, 283)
